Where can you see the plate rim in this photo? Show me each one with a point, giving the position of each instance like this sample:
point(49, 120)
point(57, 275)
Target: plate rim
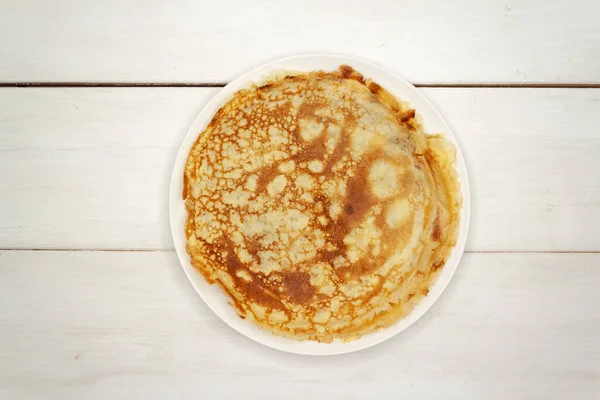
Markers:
point(208, 293)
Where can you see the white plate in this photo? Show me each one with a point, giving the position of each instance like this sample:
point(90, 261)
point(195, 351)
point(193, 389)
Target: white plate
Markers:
point(216, 299)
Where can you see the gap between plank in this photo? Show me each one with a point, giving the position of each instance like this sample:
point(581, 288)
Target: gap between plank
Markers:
point(91, 250)
point(222, 84)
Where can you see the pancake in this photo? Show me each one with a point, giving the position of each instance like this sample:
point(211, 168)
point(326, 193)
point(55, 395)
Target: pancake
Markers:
point(319, 205)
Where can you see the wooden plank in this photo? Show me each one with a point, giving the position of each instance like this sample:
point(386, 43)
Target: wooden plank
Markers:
point(90, 167)
point(532, 157)
point(190, 41)
point(127, 324)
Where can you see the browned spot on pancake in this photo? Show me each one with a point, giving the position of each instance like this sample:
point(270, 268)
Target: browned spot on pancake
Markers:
point(266, 86)
point(384, 96)
point(344, 143)
point(358, 269)
point(431, 163)
point(185, 186)
point(308, 108)
point(256, 289)
point(253, 248)
point(407, 115)
point(375, 291)
point(436, 233)
point(267, 174)
point(349, 73)
point(316, 148)
point(437, 265)
point(375, 88)
point(297, 286)
point(313, 151)
point(358, 202)
point(279, 112)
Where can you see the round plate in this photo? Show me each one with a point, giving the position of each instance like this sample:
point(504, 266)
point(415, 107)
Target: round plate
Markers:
point(213, 295)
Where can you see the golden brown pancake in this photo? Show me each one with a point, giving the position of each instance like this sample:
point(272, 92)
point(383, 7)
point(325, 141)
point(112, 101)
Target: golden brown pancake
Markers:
point(319, 206)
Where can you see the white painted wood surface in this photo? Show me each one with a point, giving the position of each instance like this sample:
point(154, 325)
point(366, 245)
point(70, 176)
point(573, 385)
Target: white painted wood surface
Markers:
point(90, 167)
point(428, 41)
point(101, 325)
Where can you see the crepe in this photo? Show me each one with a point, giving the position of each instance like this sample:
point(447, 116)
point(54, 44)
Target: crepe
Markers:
point(319, 205)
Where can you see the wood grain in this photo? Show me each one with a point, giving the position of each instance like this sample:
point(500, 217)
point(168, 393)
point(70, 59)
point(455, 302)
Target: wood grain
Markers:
point(463, 41)
point(125, 324)
point(90, 167)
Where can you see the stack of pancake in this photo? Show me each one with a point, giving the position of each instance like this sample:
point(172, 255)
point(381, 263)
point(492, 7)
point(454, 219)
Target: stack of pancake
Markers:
point(319, 205)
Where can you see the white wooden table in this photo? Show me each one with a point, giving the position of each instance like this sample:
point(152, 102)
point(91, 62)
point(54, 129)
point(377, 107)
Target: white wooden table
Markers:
point(96, 97)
